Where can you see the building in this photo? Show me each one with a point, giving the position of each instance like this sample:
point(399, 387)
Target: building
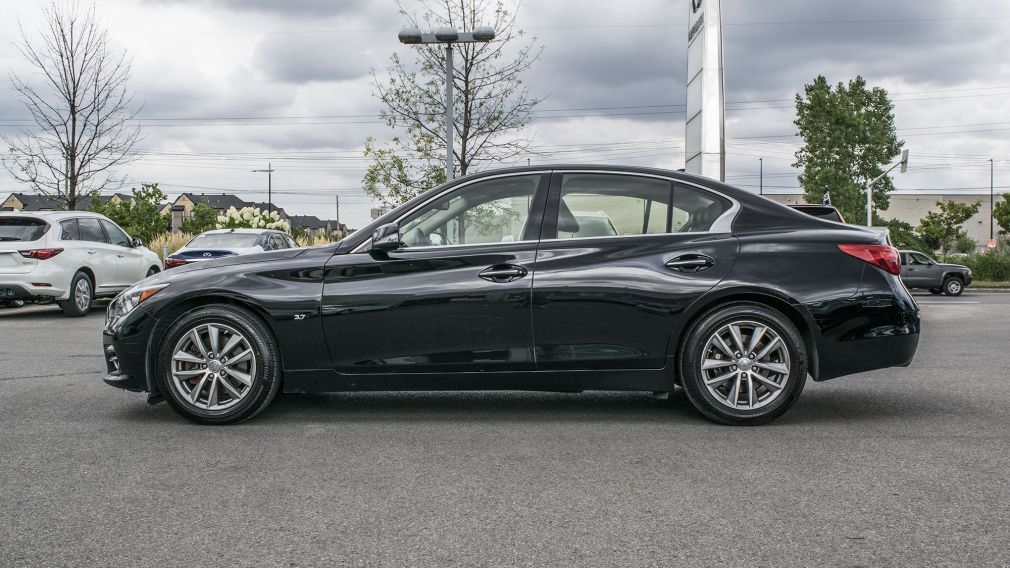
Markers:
point(314, 227)
point(377, 212)
point(29, 202)
point(912, 207)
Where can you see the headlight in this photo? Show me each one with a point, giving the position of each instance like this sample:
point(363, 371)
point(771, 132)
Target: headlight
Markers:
point(128, 301)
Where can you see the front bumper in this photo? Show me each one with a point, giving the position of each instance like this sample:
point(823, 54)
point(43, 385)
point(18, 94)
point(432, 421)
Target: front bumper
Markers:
point(126, 352)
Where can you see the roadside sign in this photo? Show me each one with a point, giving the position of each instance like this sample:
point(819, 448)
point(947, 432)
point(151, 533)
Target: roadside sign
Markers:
point(990, 244)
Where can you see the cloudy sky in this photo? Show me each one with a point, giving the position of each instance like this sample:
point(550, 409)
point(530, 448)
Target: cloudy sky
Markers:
point(228, 85)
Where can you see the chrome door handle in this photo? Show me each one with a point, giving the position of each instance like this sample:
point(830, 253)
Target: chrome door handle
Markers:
point(120, 255)
point(690, 263)
point(503, 273)
point(91, 252)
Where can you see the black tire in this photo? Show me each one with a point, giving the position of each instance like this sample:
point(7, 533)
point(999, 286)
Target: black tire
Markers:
point(82, 296)
point(265, 378)
point(151, 271)
point(14, 303)
point(953, 286)
point(692, 354)
point(935, 291)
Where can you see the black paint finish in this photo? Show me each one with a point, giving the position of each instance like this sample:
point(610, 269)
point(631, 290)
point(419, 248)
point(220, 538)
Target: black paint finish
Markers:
point(588, 313)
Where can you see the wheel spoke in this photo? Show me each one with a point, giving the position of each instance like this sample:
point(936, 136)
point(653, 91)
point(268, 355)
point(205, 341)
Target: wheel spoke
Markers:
point(722, 346)
point(234, 340)
point(734, 392)
point(195, 393)
point(773, 367)
point(734, 331)
point(213, 333)
point(195, 336)
point(755, 337)
point(187, 357)
point(772, 385)
point(243, 378)
point(243, 356)
point(768, 349)
point(190, 373)
point(750, 392)
point(212, 394)
point(231, 390)
point(715, 364)
point(721, 378)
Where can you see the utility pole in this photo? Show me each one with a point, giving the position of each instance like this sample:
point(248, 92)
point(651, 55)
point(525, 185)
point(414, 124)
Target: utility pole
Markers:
point(338, 211)
point(761, 187)
point(270, 201)
point(991, 201)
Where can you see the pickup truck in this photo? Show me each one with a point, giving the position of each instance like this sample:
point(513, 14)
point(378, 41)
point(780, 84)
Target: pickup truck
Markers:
point(920, 271)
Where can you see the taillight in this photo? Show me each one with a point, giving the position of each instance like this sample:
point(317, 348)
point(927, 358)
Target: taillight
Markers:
point(174, 262)
point(40, 254)
point(884, 257)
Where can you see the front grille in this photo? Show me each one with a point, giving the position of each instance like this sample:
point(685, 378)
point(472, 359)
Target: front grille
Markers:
point(111, 360)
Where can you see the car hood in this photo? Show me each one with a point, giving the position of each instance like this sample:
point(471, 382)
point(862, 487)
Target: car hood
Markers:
point(238, 259)
point(953, 266)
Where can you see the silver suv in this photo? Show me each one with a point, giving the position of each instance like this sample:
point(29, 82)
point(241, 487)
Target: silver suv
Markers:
point(68, 256)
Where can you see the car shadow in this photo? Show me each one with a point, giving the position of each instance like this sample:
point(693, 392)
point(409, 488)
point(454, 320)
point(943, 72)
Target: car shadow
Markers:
point(48, 311)
point(601, 407)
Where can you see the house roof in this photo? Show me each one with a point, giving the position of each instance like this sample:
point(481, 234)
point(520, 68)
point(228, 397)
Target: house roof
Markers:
point(306, 222)
point(218, 200)
point(35, 202)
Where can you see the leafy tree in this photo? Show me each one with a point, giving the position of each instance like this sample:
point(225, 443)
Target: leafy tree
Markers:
point(903, 235)
point(76, 95)
point(1001, 212)
point(141, 216)
point(202, 218)
point(940, 229)
point(490, 107)
point(849, 137)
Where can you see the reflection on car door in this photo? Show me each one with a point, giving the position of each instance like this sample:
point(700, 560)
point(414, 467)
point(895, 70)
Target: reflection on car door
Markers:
point(612, 302)
point(101, 255)
point(130, 263)
point(454, 298)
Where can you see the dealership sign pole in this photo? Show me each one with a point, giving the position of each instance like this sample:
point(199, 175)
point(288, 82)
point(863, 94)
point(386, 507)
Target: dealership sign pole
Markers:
point(705, 132)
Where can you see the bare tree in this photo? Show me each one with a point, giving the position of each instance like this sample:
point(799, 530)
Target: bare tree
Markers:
point(490, 110)
point(80, 108)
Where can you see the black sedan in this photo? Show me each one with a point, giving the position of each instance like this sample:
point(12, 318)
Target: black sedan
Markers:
point(563, 278)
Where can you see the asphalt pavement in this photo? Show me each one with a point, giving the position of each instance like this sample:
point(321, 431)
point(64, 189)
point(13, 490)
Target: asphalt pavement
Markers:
point(900, 467)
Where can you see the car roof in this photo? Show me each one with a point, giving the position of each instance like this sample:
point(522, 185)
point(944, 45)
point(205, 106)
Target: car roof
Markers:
point(240, 231)
point(53, 215)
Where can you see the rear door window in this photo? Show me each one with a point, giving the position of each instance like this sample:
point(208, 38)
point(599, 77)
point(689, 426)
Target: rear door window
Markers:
point(91, 230)
point(21, 229)
point(69, 231)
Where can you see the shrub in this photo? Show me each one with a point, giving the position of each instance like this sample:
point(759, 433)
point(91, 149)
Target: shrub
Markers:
point(252, 218)
point(989, 266)
point(175, 241)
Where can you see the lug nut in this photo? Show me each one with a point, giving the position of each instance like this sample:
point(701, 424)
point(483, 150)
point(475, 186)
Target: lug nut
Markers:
point(203, 366)
point(733, 368)
point(744, 376)
point(738, 355)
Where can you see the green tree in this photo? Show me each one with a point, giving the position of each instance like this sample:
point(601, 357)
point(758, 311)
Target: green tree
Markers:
point(491, 105)
point(903, 236)
point(848, 139)
point(1001, 212)
point(141, 216)
point(203, 218)
point(942, 228)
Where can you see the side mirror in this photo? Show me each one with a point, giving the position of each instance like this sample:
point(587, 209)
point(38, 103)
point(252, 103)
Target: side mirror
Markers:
point(386, 238)
point(136, 243)
point(930, 263)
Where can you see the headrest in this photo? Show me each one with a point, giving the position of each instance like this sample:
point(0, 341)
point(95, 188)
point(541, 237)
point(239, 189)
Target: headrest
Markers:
point(567, 223)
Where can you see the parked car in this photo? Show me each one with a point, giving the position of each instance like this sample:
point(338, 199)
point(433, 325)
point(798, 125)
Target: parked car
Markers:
point(826, 212)
point(71, 257)
point(920, 271)
point(734, 297)
point(221, 243)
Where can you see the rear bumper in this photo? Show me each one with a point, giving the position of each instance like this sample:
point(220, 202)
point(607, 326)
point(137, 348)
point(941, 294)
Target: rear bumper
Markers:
point(876, 329)
point(26, 291)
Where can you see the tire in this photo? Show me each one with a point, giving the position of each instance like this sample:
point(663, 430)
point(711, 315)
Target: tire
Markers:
point(783, 363)
point(82, 295)
point(935, 291)
point(151, 271)
point(14, 303)
point(224, 396)
point(953, 286)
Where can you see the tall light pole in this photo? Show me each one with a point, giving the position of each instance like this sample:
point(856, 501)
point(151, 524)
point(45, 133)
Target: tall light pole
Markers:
point(992, 212)
point(269, 171)
point(761, 175)
point(448, 36)
point(869, 188)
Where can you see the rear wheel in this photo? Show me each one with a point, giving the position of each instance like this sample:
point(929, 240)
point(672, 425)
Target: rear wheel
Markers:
point(151, 271)
point(82, 293)
point(743, 364)
point(953, 286)
point(219, 365)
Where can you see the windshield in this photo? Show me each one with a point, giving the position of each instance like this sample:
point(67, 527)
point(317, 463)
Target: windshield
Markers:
point(224, 240)
point(21, 229)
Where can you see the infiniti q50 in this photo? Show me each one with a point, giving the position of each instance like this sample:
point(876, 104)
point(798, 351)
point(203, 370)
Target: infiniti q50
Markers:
point(558, 278)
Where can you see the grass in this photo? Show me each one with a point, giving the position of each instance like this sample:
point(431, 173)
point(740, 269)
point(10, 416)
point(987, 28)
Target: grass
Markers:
point(988, 284)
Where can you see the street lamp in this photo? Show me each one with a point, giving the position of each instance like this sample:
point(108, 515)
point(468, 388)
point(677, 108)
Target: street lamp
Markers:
point(448, 36)
point(869, 188)
point(269, 171)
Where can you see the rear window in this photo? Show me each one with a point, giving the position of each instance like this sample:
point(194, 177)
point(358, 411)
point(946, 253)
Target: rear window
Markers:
point(21, 229)
point(224, 240)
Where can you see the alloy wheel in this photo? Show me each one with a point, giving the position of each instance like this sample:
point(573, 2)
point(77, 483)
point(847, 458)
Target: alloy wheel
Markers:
point(213, 366)
point(745, 365)
point(82, 294)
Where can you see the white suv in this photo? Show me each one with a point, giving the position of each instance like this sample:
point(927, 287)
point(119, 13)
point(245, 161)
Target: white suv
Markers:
point(70, 256)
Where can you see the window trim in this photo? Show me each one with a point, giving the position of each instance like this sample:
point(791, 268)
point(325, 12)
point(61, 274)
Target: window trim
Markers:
point(722, 225)
point(362, 247)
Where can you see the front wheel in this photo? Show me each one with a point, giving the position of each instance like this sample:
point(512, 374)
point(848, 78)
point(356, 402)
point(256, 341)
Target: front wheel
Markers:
point(219, 364)
point(743, 364)
point(953, 286)
point(82, 293)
